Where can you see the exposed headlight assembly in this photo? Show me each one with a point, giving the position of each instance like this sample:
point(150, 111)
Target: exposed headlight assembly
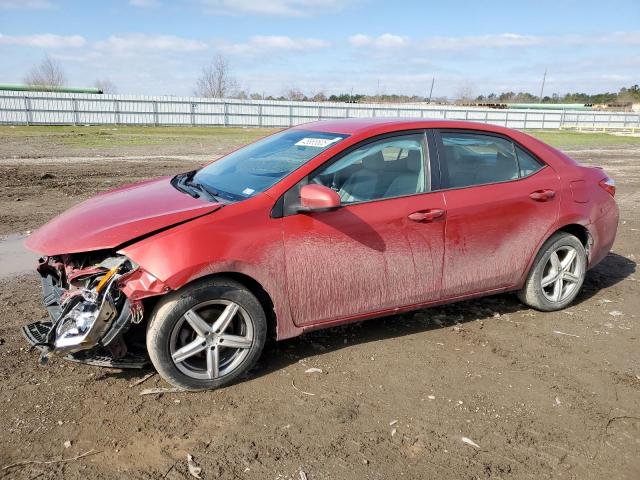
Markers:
point(92, 314)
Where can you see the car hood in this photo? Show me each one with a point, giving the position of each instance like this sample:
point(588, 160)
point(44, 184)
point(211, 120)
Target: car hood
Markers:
point(110, 219)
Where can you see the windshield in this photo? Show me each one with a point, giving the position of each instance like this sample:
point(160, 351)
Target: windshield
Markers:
point(256, 167)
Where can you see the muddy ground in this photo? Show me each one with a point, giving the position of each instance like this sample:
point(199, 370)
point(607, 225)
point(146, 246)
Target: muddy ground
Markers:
point(542, 395)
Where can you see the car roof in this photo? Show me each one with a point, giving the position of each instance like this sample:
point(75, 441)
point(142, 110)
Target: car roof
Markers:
point(357, 126)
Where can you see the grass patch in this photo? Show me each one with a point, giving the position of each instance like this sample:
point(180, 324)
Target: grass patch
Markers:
point(572, 139)
point(125, 136)
point(116, 136)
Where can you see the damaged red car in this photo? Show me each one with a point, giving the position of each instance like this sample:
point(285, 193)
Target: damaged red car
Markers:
point(317, 225)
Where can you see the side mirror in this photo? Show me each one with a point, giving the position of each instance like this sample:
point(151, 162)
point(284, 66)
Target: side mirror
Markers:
point(318, 198)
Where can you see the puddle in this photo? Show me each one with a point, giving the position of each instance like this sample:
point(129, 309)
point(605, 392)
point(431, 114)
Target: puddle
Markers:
point(14, 258)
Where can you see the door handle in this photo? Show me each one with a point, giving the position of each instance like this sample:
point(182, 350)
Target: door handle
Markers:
point(426, 215)
point(542, 195)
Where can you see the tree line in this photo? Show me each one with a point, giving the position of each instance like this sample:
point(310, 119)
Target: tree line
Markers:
point(217, 81)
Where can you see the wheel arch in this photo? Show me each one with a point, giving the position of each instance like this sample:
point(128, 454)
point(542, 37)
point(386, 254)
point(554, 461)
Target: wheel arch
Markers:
point(255, 287)
point(578, 230)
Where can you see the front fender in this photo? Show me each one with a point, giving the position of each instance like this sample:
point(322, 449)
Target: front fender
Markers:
point(239, 238)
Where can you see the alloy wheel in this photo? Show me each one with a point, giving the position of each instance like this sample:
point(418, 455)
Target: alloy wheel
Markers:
point(561, 274)
point(211, 339)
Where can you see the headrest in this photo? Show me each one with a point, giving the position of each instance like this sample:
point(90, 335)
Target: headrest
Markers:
point(375, 161)
point(414, 161)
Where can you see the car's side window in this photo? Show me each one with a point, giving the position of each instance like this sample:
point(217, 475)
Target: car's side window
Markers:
point(527, 163)
point(387, 168)
point(478, 159)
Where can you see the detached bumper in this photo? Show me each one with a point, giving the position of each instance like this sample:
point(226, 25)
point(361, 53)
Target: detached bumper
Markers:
point(36, 334)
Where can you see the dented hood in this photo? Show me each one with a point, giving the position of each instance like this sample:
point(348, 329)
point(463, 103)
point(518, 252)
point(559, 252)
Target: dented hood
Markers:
point(116, 217)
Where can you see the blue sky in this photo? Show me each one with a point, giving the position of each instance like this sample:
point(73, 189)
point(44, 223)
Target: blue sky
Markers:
point(159, 47)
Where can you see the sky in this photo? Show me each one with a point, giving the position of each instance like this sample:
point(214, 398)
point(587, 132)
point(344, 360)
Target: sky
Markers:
point(159, 47)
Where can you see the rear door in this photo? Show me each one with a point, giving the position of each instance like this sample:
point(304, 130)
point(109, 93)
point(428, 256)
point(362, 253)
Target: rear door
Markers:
point(500, 200)
point(359, 258)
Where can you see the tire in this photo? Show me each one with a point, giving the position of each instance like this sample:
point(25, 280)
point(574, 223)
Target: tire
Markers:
point(188, 352)
point(565, 276)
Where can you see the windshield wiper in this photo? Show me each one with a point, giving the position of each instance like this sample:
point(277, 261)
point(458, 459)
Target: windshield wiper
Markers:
point(211, 193)
point(180, 184)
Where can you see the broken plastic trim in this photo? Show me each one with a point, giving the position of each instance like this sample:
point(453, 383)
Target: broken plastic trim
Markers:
point(87, 315)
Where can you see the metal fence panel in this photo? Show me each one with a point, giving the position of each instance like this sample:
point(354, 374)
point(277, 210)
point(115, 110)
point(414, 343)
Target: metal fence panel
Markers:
point(52, 108)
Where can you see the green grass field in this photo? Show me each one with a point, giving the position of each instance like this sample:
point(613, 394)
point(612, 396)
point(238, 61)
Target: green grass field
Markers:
point(572, 139)
point(117, 136)
point(124, 136)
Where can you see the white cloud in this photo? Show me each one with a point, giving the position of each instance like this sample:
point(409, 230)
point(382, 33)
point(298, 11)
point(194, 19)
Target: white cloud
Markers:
point(482, 41)
point(144, 3)
point(492, 41)
point(386, 40)
point(45, 40)
point(138, 41)
point(25, 4)
point(290, 8)
point(261, 43)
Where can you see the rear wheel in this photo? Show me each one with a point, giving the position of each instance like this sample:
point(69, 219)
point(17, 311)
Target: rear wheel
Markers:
point(557, 274)
point(207, 334)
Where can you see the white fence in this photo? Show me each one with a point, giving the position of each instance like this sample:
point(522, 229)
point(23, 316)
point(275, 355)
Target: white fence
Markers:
point(44, 108)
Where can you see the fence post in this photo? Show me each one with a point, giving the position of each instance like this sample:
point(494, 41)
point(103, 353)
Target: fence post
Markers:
point(76, 120)
point(290, 115)
point(116, 109)
point(192, 115)
point(28, 112)
point(444, 114)
point(506, 119)
point(466, 114)
point(225, 109)
point(260, 115)
point(486, 116)
point(543, 117)
point(562, 119)
point(319, 112)
point(155, 113)
point(525, 120)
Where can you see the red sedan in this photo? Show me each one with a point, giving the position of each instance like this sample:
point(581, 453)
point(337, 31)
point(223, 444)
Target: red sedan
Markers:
point(318, 225)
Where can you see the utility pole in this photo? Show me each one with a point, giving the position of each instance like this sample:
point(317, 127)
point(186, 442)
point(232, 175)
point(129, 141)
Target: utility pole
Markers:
point(544, 77)
point(433, 80)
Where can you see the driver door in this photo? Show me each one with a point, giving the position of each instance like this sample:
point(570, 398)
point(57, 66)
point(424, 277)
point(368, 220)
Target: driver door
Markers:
point(359, 258)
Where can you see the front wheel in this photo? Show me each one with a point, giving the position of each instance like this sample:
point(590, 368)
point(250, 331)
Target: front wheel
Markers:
point(207, 334)
point(557, 274)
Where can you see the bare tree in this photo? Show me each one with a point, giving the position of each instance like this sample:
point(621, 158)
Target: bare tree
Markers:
point(464, 93)
point(319, 97)
point(294, 94)
point(105, 86)
point(216, 80)
point(48, 74)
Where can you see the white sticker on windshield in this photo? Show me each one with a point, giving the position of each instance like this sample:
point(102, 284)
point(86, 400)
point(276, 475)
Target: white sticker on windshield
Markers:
point(248, 191)
point(317, 142)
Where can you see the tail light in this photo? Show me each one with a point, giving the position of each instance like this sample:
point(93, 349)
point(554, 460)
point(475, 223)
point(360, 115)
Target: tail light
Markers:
point(609, 185)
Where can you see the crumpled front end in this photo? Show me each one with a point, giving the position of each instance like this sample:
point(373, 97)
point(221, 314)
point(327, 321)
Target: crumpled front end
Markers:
point(93, 299)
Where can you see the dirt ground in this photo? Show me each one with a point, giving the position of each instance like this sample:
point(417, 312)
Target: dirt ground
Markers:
point(541, 395)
